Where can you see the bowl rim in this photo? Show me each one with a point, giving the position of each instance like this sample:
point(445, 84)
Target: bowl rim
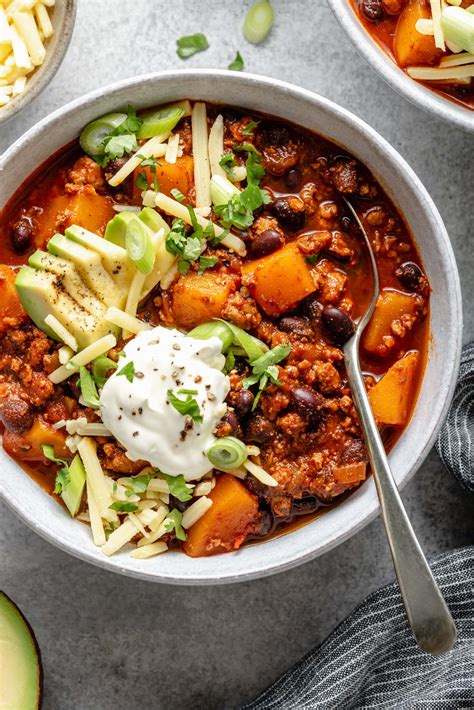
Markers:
point(379, 144)
point(44, 74)
point(390, 72)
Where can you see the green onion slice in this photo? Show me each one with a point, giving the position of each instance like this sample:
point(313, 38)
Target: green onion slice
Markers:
point(222, 190)
point(214, 328)
point(227, 453)
point(252, 347)
point(116, 229)
point(100, 367)
point(458, 27)
point(88, 389)
point(139, 246)
point(93, 135)
point(258, 22)
point(160, 121)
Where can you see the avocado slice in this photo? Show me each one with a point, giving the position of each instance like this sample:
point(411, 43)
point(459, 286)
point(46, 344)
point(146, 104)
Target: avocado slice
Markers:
point(21, 673)
point(117, 228)
point(73, 490)
point(114, 258)
point(42, 293)
point(70, 279)
point(90, 268)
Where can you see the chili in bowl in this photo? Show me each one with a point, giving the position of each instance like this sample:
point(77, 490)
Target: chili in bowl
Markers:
point(423, 48)
point(179, 283)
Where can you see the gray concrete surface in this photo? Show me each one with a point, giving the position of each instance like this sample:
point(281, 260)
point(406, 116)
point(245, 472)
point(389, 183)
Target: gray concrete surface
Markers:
point(114, 643)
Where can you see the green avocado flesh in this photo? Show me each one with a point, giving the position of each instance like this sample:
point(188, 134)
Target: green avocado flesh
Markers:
point(76, 280)
point(21, 675)
point(73, 490)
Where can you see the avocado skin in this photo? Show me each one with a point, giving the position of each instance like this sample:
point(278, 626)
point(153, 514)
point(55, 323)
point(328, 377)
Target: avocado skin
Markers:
point(8, 607)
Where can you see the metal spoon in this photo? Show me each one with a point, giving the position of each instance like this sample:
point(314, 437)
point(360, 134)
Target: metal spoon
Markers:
point(429, 617)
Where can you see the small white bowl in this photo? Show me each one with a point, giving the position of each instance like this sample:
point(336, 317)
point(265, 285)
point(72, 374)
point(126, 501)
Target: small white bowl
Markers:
point(48, 519)
point(417, 93)
point(62, 18)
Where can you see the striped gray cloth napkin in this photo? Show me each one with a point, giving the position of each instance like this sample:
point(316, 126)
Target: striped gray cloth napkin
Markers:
point(371, 659)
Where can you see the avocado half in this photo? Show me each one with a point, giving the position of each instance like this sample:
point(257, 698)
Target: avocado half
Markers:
point(21, 672)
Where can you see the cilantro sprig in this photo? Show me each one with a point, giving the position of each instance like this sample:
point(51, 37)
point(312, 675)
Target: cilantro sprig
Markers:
point(62, 477)
point(122, 139)
point(122, 506)
point(173, 522)
point(238, 212)
point(237, 64)
point(127, 371)
point(227, 162)
point(186, 406)
point(178, 487)
point(264, 370)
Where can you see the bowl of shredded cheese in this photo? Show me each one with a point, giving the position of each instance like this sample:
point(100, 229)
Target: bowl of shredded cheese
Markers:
point(34, 37)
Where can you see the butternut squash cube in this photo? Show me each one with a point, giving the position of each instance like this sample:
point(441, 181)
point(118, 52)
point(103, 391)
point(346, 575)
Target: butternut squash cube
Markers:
point(86, 208)
point(279, 281)
point(409, 46)
point(226, 524)
point(27, 447)
point(178, 176)
point(10, 304)
point(390, 306)
point(199, 298)
point(390, 398)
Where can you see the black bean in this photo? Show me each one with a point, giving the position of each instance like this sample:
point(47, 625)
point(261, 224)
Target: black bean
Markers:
point(259, 430)
point(242, 402)
point(22, 235)
point(274, 133)
point(16, 416)
point(266, 523)
point(338, 323)
point(230, 418)
point(292, 179)
point(266, 242)
point(307, 402)
point(288, 217)
point(179, 504)
point(372, 9)
point(306, 505)
point(295, 324)
point(410, 275)
point(313, 308)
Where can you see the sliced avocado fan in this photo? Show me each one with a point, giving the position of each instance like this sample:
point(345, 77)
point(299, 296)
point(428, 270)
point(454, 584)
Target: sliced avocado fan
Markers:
point(79, 277)
point(21, 673)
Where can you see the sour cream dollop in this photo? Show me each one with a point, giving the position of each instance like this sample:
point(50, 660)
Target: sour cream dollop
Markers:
point(140, 413)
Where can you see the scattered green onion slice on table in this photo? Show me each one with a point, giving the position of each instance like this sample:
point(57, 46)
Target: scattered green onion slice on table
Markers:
point(258, 22)
point(93, 135)
point(227, 453)
point(139, 246)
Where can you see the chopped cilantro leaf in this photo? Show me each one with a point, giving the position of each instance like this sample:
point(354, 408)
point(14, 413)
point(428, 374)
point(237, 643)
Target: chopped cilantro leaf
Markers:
point(238, 212)
point(237, 64)
point(178, 487)
point(122, 506)
point(173, 522)
point(249, 128)
point(189, 45)
point(227, 162)
point(123, 138)
point(62, 477)
point(185, 406)
point(207, 262)
point(264, 370)
point(117, 146)
point(128, 371)
point(88, 389)
point(311, 258)
point(138, 484)
point(141, 182)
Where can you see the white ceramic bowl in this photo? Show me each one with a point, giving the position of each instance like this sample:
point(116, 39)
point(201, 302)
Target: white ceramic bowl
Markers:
point(425, 98)
point(62, 18)
point(48, 519)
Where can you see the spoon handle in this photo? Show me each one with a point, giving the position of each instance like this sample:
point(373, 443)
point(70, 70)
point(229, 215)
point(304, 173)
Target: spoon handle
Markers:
point(428, 614)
